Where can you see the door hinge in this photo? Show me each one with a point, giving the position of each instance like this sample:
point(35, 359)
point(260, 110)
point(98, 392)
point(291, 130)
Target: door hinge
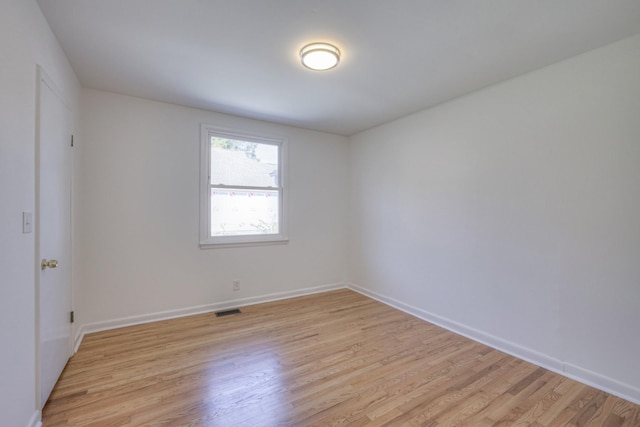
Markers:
point(72, 317)
point(72, 140)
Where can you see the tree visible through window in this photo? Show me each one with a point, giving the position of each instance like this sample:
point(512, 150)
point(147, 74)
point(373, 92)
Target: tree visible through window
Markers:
point(244, 192)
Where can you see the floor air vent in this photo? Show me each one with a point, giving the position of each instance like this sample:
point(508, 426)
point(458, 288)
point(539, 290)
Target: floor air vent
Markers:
point(227, 312)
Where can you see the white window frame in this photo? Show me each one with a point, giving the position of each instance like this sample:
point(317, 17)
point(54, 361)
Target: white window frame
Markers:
point(207, 241)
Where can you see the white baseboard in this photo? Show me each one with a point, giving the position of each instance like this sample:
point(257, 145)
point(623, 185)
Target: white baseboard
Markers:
point(602, 382)
point(208, 308)
point(36, 420)
point(593, 379)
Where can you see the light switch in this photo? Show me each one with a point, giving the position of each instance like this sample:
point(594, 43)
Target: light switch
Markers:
point(27, 222)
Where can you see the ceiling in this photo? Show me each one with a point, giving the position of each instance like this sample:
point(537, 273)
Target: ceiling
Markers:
point(399, 56)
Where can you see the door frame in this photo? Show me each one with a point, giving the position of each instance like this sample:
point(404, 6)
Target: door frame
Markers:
point(43, 78)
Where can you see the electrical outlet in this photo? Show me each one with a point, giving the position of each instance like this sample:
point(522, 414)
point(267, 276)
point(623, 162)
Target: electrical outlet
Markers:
point(236, 285)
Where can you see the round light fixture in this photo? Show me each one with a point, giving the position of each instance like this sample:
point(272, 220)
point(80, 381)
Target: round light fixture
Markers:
point(320, 56)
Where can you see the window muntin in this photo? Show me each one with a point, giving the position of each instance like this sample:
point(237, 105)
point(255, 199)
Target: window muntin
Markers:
point(242, 194)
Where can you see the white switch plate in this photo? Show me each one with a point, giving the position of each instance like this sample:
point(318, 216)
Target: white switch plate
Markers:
point(27, 222)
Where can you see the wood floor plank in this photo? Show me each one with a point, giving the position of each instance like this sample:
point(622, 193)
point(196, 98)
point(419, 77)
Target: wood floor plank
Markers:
point(331, 359)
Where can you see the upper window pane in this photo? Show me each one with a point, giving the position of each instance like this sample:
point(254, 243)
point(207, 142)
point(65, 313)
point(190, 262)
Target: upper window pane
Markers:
point(243, 163)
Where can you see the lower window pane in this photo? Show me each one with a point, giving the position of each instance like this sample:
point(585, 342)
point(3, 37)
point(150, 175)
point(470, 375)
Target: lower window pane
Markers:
point(240, 213)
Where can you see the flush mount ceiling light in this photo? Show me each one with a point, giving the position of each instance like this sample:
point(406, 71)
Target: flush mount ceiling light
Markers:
point(320, 56)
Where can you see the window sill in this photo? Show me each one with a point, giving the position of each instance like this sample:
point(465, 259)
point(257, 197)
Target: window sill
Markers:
point(242, 244)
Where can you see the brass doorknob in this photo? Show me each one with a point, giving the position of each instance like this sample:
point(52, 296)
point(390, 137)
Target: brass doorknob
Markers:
point(52, 263)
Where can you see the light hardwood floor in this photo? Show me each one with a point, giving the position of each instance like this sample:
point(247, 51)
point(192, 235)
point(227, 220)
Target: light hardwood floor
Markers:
point(336, 358)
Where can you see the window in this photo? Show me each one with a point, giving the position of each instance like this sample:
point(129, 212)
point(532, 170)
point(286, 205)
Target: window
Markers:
point(242, 197)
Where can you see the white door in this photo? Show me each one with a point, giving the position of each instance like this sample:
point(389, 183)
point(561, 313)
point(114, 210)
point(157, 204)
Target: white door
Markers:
point(53, 236)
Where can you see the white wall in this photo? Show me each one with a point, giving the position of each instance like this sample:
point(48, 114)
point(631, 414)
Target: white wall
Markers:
point(513, 215)
point(25, 40)
point(138, 248)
